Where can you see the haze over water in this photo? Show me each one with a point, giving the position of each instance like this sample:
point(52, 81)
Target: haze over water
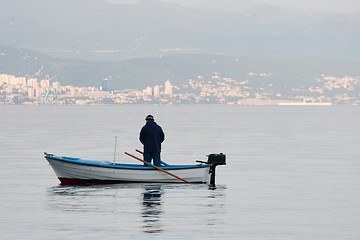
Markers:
point(291, 173)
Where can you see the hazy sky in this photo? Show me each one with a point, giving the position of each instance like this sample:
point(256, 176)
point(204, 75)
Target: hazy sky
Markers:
point(322, 5)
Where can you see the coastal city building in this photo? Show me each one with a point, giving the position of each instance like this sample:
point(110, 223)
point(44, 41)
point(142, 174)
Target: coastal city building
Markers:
point(168, 88)
point(156, 91)
point(327, 90)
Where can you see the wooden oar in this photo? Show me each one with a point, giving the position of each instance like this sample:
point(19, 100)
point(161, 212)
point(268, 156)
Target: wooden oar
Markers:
point(156, 167)
point(139, 151)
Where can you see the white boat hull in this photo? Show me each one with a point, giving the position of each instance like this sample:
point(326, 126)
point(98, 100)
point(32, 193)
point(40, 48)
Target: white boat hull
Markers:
point(77, 171)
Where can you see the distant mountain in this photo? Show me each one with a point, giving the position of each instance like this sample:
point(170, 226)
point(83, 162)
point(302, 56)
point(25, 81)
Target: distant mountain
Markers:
point(82, 42)
point(238, 6)
point(178, 68)
point(97, 30)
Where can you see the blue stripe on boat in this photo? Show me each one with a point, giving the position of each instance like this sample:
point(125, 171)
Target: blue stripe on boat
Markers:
point(108, 164)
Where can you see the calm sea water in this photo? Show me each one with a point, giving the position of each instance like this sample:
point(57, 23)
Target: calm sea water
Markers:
point(291, 173)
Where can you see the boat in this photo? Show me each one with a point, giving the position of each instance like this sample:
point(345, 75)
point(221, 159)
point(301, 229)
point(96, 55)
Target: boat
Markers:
point(77, 171)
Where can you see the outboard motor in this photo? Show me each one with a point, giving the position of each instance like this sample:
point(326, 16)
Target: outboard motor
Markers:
point(215, 159)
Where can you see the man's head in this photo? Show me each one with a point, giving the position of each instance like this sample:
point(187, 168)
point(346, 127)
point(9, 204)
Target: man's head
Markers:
point(149, 118)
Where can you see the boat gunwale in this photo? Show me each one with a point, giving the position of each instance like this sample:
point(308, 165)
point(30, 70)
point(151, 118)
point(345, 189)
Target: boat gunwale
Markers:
point(124, 166)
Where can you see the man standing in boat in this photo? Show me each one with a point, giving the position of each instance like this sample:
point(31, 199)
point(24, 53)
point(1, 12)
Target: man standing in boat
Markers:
point(151, 136)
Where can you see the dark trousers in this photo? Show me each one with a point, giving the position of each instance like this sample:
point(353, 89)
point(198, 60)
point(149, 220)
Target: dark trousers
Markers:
point(153, 156)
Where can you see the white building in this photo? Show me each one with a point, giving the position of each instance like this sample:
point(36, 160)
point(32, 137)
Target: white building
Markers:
point(45, 83)
point(31, 93)
point(148, 91)
point(32, 82)
point(17, 80)
point(5, 78)
point(168, 88)
point(157, 91)
point(37, 92)
point(56, 85)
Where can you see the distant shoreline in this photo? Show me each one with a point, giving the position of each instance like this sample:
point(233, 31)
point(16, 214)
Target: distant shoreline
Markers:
point(305, 104)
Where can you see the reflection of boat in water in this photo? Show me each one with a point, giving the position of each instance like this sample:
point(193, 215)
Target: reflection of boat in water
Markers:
point(72, 171)
point(152, 208)
point(152, 194)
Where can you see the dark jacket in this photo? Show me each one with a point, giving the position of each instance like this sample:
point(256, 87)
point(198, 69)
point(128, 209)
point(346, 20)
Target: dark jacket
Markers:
point(151, 136)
